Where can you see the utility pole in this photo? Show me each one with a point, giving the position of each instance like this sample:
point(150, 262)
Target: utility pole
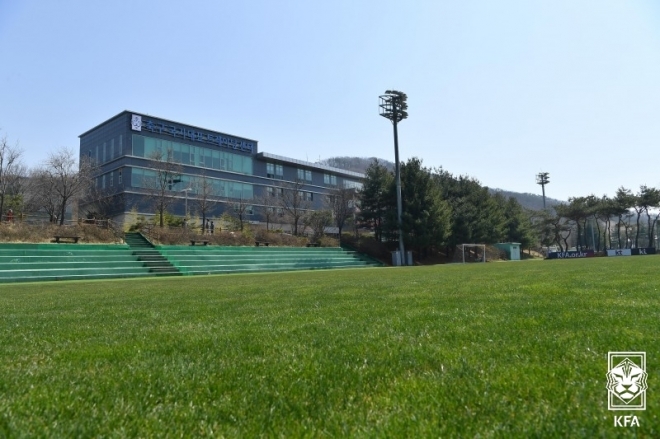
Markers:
point(394, 107)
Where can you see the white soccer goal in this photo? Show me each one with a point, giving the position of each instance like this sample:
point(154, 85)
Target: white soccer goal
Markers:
point(470, 253)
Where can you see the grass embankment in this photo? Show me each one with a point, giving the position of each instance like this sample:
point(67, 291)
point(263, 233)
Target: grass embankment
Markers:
point(494, 350)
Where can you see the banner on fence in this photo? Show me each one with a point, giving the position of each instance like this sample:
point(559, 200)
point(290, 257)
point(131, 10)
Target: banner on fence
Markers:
point(571, 254)
point(619, 252)
point(631, 251)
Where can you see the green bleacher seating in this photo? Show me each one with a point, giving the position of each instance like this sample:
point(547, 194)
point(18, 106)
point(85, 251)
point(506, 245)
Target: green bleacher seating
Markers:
point(43, 262)
point(217, 260)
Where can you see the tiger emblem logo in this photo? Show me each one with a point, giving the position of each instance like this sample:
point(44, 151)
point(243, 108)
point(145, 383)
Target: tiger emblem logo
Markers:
point(626, 381)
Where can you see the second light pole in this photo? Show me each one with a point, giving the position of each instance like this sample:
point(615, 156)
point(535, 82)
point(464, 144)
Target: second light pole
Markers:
point(393, 106)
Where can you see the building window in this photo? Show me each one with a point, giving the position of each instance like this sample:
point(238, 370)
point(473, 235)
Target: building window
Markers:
point(305, 175)
point(192, 155)
point(104, 153)
point(330, 180)
point(112, 149)
point(89, 153)
point(349, 184)
point(121, 145)
point(274, 191)
point(147, 178)
point(274, 171)
point(110, 181)
point(308, 196)
point(119, 177)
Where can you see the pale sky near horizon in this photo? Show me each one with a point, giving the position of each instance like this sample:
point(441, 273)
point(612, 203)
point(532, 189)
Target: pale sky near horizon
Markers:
point(498, 90)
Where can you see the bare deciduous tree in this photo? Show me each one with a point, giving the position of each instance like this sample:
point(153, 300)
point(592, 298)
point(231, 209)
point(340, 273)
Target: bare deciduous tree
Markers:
point(318, 220)
point(11, 170)
point(104, 202)
point(159, 186)
point(206, 198)
point(341, 202)
point(294, 203)
point(41, 195)
point(240, 209)
point(268, 203)
point(61, 181)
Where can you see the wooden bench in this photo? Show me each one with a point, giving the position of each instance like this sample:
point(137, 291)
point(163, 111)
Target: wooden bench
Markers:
point(73, 239)
point(313, 244)
point(264, 243)
point(201, 241)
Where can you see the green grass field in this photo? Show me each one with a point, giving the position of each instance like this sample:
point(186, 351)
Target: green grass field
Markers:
point(476, 350)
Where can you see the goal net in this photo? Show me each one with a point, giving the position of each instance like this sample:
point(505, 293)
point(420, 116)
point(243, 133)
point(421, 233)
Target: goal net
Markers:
point(470, 253)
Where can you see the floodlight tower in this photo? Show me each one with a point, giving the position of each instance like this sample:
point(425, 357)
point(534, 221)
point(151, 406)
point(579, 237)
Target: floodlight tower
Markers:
point(393, 106)
point(543, 178)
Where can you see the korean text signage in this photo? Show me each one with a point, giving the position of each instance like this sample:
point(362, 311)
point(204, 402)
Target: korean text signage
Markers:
point(138, 124)
point(631, 251)
point(571, 254)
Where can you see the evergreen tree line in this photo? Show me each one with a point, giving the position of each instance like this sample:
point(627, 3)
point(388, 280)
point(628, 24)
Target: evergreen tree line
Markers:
point(627, 220)
point(441, 210)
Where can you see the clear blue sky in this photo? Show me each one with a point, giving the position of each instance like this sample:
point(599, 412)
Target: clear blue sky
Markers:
point(499, 90)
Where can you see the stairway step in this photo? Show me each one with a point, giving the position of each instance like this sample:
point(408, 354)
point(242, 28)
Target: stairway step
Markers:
point(149, 256)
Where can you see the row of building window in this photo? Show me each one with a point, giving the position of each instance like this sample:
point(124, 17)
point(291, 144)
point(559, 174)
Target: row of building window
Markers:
point(277, 171)
point(106, 151)
point(108, 179)
point(149, 147)
point(279, 192)
point(194, 185)
point(350, 184)
point(147, 179)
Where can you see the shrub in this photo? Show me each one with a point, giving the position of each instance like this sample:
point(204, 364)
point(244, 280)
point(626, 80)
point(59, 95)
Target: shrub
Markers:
point(43, 233)
point(327, 241)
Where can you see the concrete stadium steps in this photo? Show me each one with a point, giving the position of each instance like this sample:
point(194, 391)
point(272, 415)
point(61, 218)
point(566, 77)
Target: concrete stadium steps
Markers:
point(228, 269)
point(219, 260)
point(49, 262)
point(43, 262)
point(149, 256)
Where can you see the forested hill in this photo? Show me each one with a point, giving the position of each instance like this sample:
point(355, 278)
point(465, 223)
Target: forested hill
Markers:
point(360, 164)
point(527, 200)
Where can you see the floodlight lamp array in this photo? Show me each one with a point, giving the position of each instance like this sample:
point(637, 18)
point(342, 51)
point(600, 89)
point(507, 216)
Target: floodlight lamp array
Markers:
point(393, 106)
point(543, 178)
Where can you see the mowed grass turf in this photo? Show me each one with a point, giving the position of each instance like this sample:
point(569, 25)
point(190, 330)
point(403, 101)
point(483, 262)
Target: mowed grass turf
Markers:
point(476, 350)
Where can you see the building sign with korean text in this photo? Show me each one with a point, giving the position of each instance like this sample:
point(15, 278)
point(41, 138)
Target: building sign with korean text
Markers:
point(138, 123)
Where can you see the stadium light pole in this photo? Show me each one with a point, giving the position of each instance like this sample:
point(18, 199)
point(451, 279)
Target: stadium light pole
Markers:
point(393, 106)
point(543, 178)
point(186, 192)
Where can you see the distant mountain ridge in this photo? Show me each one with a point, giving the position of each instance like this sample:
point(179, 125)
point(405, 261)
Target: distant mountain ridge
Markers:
point(527, 200)
point(360, 164)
